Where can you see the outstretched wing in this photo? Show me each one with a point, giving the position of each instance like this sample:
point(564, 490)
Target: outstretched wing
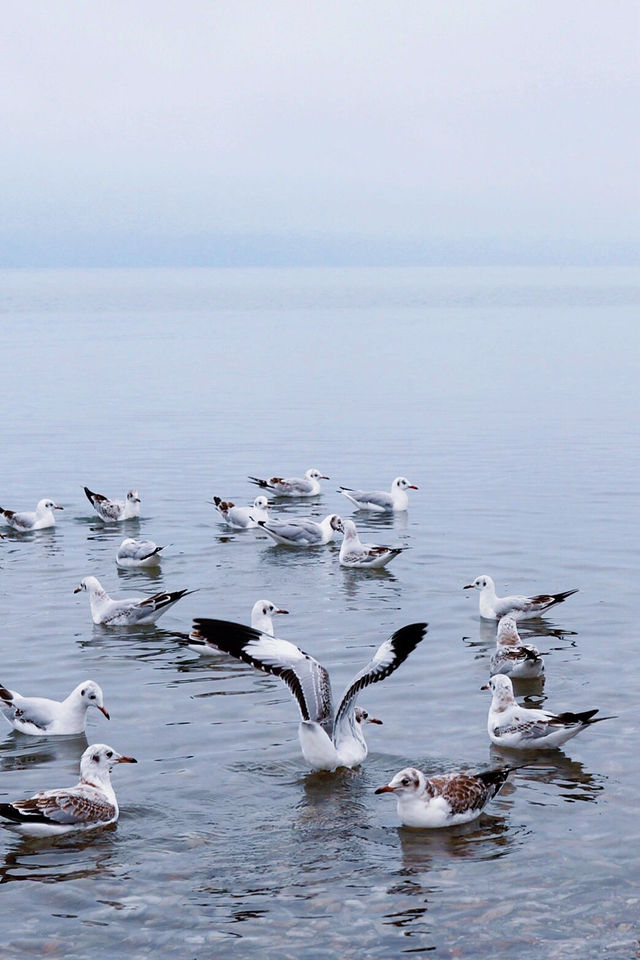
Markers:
point(385, 660)
point(306, 678)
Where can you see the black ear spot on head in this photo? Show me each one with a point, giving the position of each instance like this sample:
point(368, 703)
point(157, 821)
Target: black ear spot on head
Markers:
point(82, 692)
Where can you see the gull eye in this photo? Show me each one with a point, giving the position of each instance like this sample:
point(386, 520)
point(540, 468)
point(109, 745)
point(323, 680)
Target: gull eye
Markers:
point(109, 754)
point(405, 781)
point(92, 696)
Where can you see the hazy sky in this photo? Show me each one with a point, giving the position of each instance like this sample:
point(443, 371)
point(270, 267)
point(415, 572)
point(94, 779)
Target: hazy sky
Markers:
point(276, 131)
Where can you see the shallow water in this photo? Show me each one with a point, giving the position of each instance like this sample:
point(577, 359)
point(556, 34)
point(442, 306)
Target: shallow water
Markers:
point(510, 398)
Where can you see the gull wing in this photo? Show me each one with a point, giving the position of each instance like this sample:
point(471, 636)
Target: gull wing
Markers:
point(139, 550)
point(385, 660)
point(295, 531)
point(306, 678)
point(60, 807)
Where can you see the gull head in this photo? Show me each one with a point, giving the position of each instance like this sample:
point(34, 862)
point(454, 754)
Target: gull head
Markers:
point(361, 716)
point(401, 483)
point(133, 496)
point(508, 631)
point(314, 474)
point(502, 690)
point(91, 695)
point(98, 760)
point(261, 503)
point(408, 781)
point(349, 530)
point(264, 608)
point(335, 522)
point(45, 505)
point(483, 582)
point(88, 584)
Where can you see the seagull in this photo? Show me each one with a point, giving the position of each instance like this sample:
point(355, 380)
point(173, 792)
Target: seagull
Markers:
point(89, 804)
point(303, 532)
point(293, 486)
point(513, 657)
point(379, 500)
point(327, 741)
point(444, 800)
point(129, 612)
point(39, 519)
point(242, 518)
point(520, 728)
point(115, 510)
point(353, 553)
point(138, 553)
point(41, 717)
point(261, 621)
point(521, 608)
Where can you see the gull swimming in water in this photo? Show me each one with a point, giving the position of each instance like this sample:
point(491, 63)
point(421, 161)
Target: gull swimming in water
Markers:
point(513, 657)
point(445, 800)
point(89, 804)
point(303, 532)
point(354, 553)
point(138, 553)
point(41, 717)
point(129, 612)
point(519, 728)
point(113, 511)
point(327, 741)
point(493, 607)
point(40, 519)
point(380, 501)
point(294, 486)
point(242, 518)
point(261, 614)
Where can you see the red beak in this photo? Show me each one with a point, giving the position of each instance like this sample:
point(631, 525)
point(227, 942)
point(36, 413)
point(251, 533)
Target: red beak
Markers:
point(469, 586)
point(126, 760)
point(412, 486)
point(282, 611)
point(102, 710)
point(385, 789)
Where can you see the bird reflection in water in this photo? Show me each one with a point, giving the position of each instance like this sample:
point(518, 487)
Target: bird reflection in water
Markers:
point(553, 767)
point(58, 859)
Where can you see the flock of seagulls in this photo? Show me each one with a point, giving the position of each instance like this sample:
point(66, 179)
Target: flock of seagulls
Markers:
point(330, 737)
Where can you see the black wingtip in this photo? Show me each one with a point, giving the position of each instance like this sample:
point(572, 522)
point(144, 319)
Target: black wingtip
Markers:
point(407, 638)
point(89, 494)
point(261, 483)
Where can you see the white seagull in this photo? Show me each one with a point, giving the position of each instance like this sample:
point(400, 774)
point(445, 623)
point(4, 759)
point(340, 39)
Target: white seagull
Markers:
point(261, 614)
point(242, 518)
point(520, 728)
point(138, 553)
point(327, 741)
point(445, 800)
point(41, 717)
point(513, 657)
point(379, 500)
point(293, 486)
point(303, 532)
point(89, 804)
point(354, 553)
point(40, 519)
point(129, 612)
point(113, 511)
point(493, 607)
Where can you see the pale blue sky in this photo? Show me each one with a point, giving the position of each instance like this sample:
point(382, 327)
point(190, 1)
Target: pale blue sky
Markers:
point(296, 131)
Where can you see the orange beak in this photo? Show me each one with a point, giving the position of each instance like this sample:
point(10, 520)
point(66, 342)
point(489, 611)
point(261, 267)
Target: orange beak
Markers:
point(127, 760)
point(102, 710)
point(385, 789)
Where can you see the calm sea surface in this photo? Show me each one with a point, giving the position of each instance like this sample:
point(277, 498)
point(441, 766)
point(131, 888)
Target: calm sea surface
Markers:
point(511, 398)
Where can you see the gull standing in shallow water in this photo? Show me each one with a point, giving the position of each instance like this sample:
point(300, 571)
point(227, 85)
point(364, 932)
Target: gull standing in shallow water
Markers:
point(129, 612)
point(516, 659)
point(40, 519)
point(138, 553)
point(89, 804)
point(303, 532)
point(41, 717)
point(327, 741)
point(354, 553)
point(261, 614)
point(379, 500)
point(519, 728)
point(308, 486)
point(445, 800)
point(242, 518)
point(113, 511)
point(493, 607)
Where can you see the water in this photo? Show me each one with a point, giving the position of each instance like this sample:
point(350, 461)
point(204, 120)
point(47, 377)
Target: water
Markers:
point(510, 398)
